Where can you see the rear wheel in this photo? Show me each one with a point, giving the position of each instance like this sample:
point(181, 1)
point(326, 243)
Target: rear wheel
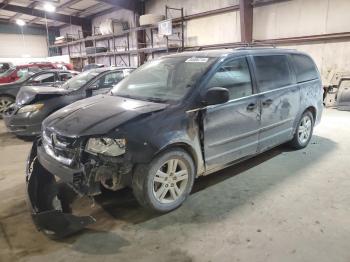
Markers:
point(304, 131)
point(166, 182)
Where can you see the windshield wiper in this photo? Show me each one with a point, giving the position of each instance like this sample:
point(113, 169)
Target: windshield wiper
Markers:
point(150, 99)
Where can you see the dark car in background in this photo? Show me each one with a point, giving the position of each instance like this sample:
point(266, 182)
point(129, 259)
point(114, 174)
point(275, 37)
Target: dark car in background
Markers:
point(54, 77)
point(35, 103)
point(172, 120)
point(92, 66)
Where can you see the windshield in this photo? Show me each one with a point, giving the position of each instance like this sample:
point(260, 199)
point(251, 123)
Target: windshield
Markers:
point(7, 72)
point(166, 79)
point(78, 81)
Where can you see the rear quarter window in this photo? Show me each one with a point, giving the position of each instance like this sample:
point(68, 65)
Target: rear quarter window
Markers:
point(272, 72)
point(305, 68)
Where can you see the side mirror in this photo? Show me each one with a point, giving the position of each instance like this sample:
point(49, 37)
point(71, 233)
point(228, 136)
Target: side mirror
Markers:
point(215, 96)
point(92, 87)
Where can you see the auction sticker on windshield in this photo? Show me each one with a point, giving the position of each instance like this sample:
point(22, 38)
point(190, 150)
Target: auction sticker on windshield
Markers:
point(197, 60)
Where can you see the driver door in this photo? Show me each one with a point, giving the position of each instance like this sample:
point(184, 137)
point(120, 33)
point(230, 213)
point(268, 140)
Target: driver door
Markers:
point(231, 129)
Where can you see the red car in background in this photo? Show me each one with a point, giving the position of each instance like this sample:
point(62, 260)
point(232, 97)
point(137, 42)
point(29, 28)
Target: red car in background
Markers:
point(58, 65)
point(19, 71)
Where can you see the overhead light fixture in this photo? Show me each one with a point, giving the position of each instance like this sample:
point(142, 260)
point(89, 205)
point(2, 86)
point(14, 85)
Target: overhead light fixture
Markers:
point(48, 7)
point(20, 22)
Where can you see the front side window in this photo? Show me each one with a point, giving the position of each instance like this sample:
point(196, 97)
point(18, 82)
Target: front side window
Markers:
point(235, 76)
point(305, 68)
point(166, 79)
point(272, 72)
point(111, 79)
point(108, 80)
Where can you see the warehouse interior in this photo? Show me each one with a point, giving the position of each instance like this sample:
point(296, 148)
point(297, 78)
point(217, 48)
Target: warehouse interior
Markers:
point(279, 205)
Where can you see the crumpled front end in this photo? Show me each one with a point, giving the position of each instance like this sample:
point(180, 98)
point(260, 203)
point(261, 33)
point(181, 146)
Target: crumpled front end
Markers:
point(50, 201)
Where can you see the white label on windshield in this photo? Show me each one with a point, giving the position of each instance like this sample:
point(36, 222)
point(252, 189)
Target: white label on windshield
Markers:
point(197, 60)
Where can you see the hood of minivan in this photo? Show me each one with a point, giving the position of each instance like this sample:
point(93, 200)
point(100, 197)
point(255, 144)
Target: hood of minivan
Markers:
point(97, 115)
point(29, 93)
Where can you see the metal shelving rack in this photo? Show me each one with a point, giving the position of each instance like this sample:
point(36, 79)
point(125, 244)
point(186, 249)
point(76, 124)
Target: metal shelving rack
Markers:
point(148, 47)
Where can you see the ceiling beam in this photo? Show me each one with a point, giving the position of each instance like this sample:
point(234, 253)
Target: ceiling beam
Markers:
point(58, 8)
point(53, 16)
point(67, 4)
point(258, 3)
point(90, 9)
point(124, 4)
point(31, 5)
point(4, 3)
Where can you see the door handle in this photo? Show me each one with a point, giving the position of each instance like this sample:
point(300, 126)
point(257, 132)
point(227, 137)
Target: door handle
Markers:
point(251, 107)
point(267, 102)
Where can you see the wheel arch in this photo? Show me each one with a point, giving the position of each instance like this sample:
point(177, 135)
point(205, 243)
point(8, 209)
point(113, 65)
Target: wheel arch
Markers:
point(313, 111)
point(8, 95)
point(184, 146)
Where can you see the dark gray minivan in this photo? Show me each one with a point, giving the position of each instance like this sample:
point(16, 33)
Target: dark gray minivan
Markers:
point(170, 121)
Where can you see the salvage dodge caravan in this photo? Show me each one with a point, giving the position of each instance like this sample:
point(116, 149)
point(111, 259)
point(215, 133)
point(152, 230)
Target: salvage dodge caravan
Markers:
point(168, 122)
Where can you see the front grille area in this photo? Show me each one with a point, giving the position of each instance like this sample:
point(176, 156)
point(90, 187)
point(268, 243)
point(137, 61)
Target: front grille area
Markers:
point(63, 149)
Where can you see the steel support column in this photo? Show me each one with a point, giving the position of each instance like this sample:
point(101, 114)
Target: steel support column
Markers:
point(246, 17)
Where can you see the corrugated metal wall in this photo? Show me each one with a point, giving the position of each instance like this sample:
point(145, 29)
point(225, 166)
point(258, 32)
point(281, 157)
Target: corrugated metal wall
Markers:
point(308, 17)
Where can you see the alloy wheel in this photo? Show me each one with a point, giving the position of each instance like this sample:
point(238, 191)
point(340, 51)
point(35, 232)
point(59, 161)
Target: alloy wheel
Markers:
point(5, 103)
point(170, 181)
point(304, 130)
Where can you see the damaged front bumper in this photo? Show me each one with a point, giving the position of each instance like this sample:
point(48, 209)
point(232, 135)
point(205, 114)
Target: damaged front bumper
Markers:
point(50, 201)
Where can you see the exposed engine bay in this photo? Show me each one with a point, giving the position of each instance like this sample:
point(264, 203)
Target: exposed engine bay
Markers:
point(50, 198)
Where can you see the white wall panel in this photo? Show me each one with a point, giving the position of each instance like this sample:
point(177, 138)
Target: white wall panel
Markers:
point(327, 55)
point(216, 29)
point(190, 6)
point(291, 18)
point(11, 45)
point(338, 19)
point(301, 18)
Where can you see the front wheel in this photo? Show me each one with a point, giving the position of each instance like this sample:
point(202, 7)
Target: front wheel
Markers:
point(304, 131)
point(166, 182)
point(5, 103)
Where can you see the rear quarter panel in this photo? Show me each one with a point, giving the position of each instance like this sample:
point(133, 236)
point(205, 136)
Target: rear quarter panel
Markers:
point(311, 95)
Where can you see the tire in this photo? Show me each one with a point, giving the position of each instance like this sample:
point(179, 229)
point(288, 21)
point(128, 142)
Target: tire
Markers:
point(171, 187)
point(299, 140)
point(5, 103)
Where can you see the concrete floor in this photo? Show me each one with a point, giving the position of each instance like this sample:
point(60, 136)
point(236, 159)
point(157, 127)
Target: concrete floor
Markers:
point(280, 206)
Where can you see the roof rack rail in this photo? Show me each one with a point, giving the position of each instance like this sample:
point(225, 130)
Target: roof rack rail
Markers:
point(255, 45)
point(234, 46)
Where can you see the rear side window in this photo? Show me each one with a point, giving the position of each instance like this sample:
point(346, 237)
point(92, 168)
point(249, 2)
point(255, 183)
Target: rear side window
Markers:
point(272, 72)
point(305, 68)
point(64, 76)
point(44, 78)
